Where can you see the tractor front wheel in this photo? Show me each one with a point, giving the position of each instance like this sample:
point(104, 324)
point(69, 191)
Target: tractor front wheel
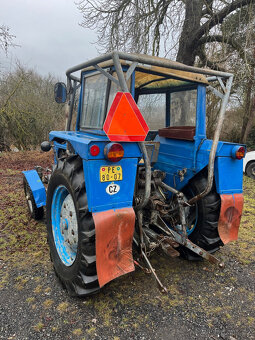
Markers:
point(35, 213)
point(71, 230)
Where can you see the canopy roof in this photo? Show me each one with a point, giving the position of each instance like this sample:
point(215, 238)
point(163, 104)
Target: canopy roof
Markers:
point(146, 76)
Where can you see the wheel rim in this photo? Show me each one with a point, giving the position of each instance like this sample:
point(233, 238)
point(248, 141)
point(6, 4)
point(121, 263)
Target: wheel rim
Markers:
point(28, 198)
point(191, 214)
point(64, 225)
point(30, 206)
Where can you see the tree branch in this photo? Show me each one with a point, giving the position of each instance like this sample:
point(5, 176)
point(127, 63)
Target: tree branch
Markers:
point(218, 17)
point(206, 62)
point(230, 41)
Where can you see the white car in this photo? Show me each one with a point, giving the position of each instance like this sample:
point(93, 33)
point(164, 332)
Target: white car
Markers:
point(249, 164)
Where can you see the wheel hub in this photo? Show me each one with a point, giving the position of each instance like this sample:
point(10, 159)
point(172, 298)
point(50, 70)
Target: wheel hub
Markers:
point(64, 225)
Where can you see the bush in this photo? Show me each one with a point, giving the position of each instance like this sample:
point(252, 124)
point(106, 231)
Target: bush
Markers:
point(28, 110)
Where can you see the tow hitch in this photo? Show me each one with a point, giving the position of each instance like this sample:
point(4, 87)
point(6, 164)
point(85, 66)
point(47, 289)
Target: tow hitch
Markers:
point(168, 241)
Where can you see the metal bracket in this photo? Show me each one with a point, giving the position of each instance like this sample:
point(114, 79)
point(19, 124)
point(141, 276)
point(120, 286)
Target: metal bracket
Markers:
point(108, 75)
point(181, 173)
point(131, 70)
point(152, 270)
point(190, 245)
point(215, 91)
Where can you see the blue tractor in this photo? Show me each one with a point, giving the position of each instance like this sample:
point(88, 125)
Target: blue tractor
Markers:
point(136, 173)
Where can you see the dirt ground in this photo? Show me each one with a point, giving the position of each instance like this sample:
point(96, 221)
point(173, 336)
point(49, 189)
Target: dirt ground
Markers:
point(203, 301)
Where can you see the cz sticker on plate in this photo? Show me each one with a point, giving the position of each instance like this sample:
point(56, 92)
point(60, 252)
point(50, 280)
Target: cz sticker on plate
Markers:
point(110, 173)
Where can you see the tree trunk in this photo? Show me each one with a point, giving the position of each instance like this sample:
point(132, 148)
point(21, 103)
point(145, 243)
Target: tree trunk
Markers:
point(193, 14)
point(250, 122)
point(249, 115)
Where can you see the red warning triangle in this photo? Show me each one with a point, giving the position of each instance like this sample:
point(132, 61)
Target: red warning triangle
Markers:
point(124, 121)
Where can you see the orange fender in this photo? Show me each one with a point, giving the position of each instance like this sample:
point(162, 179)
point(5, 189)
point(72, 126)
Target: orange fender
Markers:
point(114, 237)
point(230, 216)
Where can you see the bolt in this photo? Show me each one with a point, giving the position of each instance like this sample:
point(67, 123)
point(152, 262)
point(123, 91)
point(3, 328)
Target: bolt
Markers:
point(70, 213)
point(72, 232)
point(200, 253)
point(221, 265)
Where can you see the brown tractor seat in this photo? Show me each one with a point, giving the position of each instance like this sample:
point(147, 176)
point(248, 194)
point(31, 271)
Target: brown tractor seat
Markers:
point(178, 132)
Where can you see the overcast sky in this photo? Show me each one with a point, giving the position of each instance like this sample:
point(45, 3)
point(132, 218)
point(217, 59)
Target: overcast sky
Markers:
point(48, 33)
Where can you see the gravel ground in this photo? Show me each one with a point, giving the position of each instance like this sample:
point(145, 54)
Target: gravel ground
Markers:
point(203, 301)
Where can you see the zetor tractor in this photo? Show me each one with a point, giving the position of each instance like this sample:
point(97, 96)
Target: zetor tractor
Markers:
point(138, 173)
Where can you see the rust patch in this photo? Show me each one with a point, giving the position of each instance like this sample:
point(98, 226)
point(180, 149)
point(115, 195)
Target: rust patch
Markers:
point(230, 216)
point(114, 237)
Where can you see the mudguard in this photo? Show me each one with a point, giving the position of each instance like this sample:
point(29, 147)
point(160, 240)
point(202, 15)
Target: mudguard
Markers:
point(230, 216)
point(114, 237)
point(36, 186)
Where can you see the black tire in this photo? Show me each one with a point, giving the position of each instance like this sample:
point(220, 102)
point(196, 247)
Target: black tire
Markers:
point(205, 215)
point(80, 278)
point(35, 213)
point(250, 170)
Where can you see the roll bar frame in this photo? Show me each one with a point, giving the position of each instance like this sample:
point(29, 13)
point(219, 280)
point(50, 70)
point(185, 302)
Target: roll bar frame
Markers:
point(135, 60)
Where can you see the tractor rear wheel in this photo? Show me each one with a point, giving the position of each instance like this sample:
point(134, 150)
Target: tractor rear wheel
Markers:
point(35, 213)
point(202, 218)
point(71, 230)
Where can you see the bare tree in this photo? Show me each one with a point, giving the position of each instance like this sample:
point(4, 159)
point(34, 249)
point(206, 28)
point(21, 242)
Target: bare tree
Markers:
point(6, 38)
point(180, 27)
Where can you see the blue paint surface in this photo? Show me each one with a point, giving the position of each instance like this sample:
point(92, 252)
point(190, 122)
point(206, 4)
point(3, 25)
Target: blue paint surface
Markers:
point(175, 155)
point(36, 187)
point(229, 175)
point(82, 141)
point(98, 199)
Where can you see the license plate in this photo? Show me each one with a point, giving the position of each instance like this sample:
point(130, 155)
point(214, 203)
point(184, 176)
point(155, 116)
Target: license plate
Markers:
point(110, 173)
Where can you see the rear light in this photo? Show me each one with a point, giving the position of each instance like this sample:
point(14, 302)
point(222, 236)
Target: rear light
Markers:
point(113, 152)
point(94, 150)
point(238, 152)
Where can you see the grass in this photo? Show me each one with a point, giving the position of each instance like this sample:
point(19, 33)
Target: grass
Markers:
point(62, 307)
